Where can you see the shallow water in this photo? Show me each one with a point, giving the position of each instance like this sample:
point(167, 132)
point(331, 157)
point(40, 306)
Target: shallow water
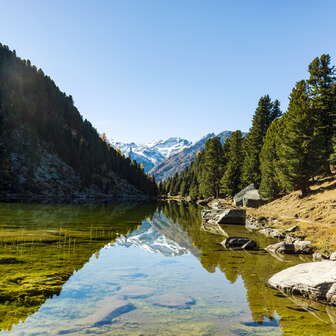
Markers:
point(140, 270)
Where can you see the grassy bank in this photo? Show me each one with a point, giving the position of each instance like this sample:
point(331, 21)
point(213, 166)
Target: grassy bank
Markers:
point(314, 214)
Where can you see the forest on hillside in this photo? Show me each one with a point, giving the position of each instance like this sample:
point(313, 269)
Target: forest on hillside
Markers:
point(282, 151)
point(33, 107)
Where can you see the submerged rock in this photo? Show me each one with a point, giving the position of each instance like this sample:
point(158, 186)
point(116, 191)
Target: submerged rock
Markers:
point(315, 280)
point(239, 243)
point(172, 301)
point(106, 310)
point(136, 292)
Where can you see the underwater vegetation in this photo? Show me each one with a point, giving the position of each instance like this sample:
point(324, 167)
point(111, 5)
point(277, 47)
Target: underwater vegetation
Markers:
point(41, 246)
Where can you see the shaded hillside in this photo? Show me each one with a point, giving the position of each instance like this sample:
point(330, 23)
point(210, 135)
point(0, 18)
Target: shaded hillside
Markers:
point(182, 160)
point(47, 148)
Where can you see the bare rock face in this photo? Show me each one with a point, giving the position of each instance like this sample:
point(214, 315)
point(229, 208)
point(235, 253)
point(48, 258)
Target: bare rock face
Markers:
point(315, 280)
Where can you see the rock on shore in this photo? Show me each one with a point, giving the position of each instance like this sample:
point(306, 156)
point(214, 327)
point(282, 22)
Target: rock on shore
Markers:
point(224, 216)
point(315, 280)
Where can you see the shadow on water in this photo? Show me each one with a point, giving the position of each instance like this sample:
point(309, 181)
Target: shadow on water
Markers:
point(41, 246)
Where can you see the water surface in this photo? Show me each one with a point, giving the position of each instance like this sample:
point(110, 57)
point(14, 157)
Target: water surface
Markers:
point(140, 270)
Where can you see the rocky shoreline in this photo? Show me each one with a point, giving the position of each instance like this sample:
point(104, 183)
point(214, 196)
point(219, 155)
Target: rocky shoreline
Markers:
point(313, 280)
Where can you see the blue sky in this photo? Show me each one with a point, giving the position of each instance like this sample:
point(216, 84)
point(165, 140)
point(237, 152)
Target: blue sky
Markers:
point(146, 69)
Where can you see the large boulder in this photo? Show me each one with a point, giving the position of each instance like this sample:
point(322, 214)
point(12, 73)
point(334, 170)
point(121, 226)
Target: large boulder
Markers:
point(314, 280)
point(224, 216)
point(248, 197)
point(239, 243)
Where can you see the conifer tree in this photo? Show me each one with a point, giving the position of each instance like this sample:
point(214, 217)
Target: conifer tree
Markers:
point(301, 151)
point(323, 95)
point(265, 113)
point(212, 168)
point(230, 183)
point(269, 158)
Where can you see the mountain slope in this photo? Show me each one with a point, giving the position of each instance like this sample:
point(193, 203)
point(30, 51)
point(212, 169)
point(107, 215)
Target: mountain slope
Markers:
point(151, 154)
point(180, 161)
point(48, 150)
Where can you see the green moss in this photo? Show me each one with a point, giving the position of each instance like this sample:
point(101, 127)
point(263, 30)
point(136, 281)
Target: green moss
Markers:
point(42, 245)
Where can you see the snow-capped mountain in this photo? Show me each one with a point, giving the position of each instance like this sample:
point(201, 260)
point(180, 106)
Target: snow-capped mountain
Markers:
point(151, 154)
point(181, 160)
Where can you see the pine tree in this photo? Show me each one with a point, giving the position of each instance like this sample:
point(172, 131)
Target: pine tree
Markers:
point(230, 183)
point(323, 95)
point(301, 151)
point(212, 168)
point(269, 157)
point(265, 113)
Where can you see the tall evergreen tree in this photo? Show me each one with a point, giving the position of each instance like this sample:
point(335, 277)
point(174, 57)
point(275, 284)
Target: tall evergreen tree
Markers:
point(323, 95)
point(269, 158)
point(230, 183)
point(302, 150)
point(212, 168)
point(265, 113)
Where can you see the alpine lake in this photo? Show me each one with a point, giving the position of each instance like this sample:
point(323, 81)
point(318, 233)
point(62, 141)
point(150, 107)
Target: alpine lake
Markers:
point(142, 270)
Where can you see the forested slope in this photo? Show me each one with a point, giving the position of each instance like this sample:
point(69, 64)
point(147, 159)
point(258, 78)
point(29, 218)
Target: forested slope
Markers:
point(47, 149)
point(280, 154)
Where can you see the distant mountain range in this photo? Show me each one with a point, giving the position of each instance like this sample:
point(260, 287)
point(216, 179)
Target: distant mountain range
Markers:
point(164, 158)
point(151, 154)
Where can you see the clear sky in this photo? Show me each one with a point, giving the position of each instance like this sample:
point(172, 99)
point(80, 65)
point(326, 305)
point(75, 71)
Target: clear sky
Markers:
point(148, 69)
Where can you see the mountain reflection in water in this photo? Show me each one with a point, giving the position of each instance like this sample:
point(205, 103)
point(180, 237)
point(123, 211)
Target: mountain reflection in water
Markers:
point(131, 269)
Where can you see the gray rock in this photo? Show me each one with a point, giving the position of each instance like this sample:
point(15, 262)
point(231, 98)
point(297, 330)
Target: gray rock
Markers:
point(239, 243)
point(292, 229)
point(333, 256)
point(281, 247)
point(303, 247)
point(315, 280)
point(288, 246)
point(224, 216)
point(290, 239)
point(248, 197)
point(317, 256)
point(253, 224)
point(274, 233)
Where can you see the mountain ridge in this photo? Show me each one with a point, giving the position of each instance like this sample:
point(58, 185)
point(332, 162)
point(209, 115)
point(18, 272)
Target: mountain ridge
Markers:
point(164, 158)
point(152, 153)
point(182, 160)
